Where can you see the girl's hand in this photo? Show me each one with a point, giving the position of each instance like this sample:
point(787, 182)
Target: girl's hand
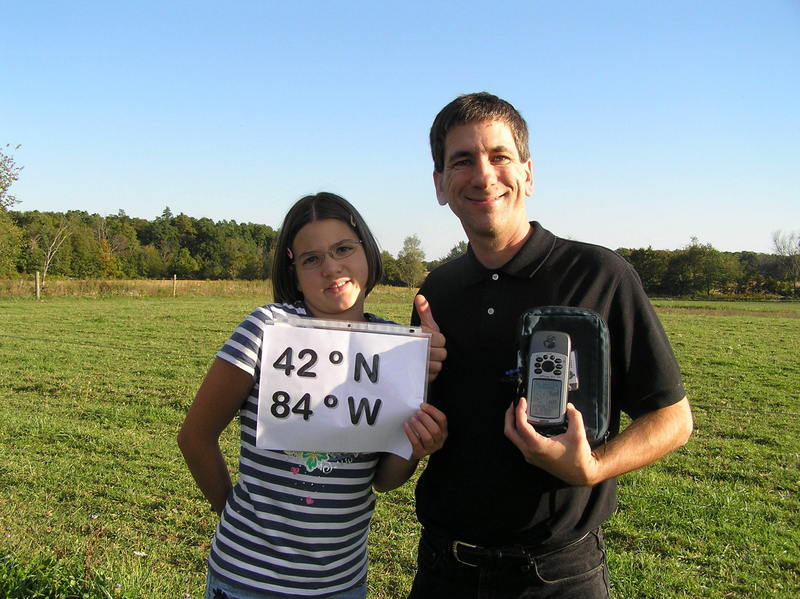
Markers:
point(426, 430)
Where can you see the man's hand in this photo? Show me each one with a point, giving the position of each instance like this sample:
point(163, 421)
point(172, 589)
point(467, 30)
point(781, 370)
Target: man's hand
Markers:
point(570, 457)
point(567, 456)
point(437, 353)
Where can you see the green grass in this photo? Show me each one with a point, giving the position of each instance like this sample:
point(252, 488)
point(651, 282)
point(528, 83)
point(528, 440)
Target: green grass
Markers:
point(95, 500)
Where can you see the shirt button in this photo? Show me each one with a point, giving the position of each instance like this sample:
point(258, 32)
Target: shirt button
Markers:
point(495, 276)
point(490, 311)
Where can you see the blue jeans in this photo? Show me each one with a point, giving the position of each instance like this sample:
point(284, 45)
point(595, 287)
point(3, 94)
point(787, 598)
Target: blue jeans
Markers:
point(577, 571)
point(218, 589)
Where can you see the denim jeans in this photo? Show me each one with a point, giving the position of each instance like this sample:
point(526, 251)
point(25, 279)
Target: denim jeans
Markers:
point(577, 571)
point(218, 589)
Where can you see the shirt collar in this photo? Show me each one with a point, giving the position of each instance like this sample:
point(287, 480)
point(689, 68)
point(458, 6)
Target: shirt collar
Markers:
point(525, 263)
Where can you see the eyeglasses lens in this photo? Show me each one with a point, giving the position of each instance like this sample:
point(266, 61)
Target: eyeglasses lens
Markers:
point(341, 251)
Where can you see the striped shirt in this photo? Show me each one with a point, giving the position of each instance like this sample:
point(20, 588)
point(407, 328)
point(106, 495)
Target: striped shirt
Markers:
point(296, 523)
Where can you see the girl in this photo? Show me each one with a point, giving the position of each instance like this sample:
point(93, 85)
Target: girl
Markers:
point(296, 523)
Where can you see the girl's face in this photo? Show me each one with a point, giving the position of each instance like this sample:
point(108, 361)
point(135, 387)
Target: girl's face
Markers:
point(333, 288)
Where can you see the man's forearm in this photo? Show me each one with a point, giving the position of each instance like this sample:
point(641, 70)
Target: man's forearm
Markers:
point(645, 440)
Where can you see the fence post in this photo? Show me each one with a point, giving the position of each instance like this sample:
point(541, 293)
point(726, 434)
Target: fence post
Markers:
point(174, 284)
point(37, 287)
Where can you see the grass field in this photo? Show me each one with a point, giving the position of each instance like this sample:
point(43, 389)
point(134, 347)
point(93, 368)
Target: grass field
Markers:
point(95, 500)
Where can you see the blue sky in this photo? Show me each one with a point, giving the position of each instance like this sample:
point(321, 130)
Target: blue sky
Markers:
point(651, 122)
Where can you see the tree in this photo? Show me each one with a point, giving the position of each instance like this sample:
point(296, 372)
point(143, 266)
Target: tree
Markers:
point(10, 239)
point(650, 264)
point(185, 227)
point(109, 265)
point(787, 245)
point(391, 274)
point(240, 260)
point(166, 236)
point(457, 250)
point(759, 272)
point(9, 172)
point(700, 268)
point(83, 252)
point(410, 262)
point(183, 265)
point(208, 249)
point(10, 234)
point(51, 246)
point(46, 234)
point(150, 263)
point(119, 246)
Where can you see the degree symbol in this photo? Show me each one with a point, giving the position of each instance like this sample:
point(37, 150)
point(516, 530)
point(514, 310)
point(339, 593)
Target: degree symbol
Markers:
point(330, 401)
point(336, 357)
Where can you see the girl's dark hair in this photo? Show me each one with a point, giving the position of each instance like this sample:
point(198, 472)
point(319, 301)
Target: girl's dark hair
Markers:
point(309, 209)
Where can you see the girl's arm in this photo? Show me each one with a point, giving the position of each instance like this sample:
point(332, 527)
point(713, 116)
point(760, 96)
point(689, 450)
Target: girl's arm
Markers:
point(427, 431)
point(222, 393)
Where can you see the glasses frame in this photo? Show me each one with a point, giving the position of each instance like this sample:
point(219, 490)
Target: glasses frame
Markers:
point(323, 255)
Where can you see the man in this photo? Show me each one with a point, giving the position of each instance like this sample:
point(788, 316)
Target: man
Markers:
point(507, 512)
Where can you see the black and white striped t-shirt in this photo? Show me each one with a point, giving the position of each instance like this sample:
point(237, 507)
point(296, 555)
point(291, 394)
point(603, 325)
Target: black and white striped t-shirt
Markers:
point(296, 523)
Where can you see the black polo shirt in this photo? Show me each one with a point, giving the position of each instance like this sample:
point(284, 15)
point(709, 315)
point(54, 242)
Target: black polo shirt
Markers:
point(478, 488)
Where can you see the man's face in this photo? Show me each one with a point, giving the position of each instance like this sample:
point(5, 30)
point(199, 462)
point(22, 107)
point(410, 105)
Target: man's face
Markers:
point(484, 181)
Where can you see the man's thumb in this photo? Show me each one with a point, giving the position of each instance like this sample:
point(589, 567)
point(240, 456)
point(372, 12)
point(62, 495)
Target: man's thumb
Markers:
point(424, 312)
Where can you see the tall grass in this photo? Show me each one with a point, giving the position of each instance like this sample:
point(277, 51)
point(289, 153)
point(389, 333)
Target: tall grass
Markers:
point(21, 288)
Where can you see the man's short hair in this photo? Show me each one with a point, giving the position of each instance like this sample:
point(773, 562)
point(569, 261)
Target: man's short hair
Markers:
point(479, 106)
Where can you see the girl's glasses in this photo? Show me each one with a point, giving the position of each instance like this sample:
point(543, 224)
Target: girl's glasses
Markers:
point(338, 251)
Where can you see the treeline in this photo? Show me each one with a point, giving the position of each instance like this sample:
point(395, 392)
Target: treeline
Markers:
point(76, 244)
point(81, 245)
point(700, 269)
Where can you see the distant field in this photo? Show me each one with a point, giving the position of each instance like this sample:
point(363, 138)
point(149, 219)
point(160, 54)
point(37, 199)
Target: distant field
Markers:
point(95, 500)
point(25, 288)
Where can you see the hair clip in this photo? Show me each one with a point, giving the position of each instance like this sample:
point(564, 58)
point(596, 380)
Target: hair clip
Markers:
point(289, 253)
point(353, 221)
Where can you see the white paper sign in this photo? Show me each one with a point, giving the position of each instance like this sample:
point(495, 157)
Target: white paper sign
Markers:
point(339, 391)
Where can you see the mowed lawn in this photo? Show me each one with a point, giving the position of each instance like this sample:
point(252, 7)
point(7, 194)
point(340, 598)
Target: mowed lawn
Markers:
point(95, 499)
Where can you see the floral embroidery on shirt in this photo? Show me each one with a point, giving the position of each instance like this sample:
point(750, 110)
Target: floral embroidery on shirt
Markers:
point(315, 460)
